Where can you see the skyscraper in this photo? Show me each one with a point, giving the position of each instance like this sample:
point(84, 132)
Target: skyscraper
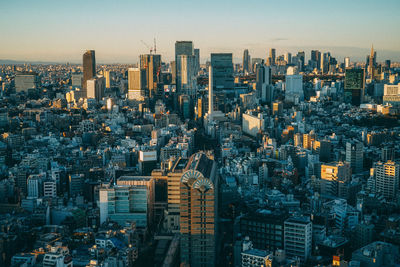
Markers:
point(186, 81)
point(222, 77)
point(288, 58)
point(246, 61)
point(316, 57)
point(354, 84)
point(197, 59)
point(182, 48)
point(387, 178)
point(198, 211)
point(346, 62)
point(89, 69)
point(372, 63)
point(272, 57)
point(263, 82)
point(152, 64)
point(137, 84)
point(355, 155)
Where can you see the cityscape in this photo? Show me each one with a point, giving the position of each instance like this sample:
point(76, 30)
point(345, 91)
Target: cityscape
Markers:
point(184, 154)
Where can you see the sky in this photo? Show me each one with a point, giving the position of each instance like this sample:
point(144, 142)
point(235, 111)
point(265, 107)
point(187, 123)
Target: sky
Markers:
point(60, 31)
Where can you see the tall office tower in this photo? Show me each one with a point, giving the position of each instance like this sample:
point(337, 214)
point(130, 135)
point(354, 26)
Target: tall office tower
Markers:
point(298, 237)
point(95, 88)
point(222, 77)
point(272, 57)
point(354, 85)
point(131, 199)
point(372, 63)
point(387, 178)
point(182, 48)
point(264, 83)
point(137, 84)
point(333, 175)
point(89, 69)
point(325, 58)
point(288, 58)
point(355, 155)
point(198, 211)
point(346, 62)
point(301, 55)
point(294, 86)
point(222, 71)
point(246, 61)
point(186, 81)
point(107, 76)
point(197, 61)
point(152, 65)
point(316, 57)
point(210, 92)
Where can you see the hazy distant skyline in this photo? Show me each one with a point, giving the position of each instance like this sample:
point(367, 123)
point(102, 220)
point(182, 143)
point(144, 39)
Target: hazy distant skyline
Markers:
point(60, 31)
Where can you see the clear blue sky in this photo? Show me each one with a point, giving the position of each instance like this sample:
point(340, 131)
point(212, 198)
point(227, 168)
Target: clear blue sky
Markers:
point(61, 30)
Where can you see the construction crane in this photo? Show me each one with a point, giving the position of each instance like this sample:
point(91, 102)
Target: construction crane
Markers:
point(149, 47)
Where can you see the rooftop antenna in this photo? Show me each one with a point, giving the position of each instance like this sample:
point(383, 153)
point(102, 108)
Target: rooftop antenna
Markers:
point(155, 46)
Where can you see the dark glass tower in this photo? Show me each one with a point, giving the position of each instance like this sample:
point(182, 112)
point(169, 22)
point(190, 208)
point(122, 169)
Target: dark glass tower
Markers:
point(89, 68)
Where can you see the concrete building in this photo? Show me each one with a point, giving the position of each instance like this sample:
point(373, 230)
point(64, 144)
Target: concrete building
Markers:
point(252, 124)
point(131, 199)
point(376, 254)
point(332, 175)
point(137, 84)
point(387, 178)
point(391, 95)
point(264, 86)
point(298, 237)
point(256, 258)
point(95, 88)
point(355, 155)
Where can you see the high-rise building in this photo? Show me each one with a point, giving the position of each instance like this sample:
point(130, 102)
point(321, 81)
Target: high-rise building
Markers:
point(355, 155)
point(372, 63)
point(288, 58)
point(354, 84)
point(294, 86)
point(152, 65)
point(89, 69)
point(316, 57)
point(272, 57)
point(346, 62)
point(246, 61)
point(182, 48)
point(298, 237)
point(198, 211)
point(265, 227)
point(263, 83)
point(332, 175)
point(130, 200)
point(95, 88)
point(324, 65)
point(137, 84)
point(186, 80)
point(302, 57)
point(387, 178)
point(222, 71)
point(197, 59)
point(107, 76)
point(391, 94)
